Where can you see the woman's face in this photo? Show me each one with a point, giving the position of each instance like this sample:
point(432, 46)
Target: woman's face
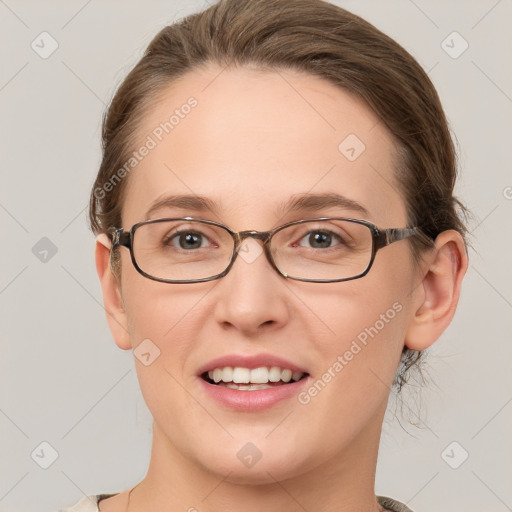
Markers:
point(254, 141)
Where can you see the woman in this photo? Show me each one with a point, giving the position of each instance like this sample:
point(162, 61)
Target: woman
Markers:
point(278, 242)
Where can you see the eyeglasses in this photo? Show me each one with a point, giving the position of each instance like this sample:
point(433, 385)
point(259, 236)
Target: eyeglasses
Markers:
point(322, 250)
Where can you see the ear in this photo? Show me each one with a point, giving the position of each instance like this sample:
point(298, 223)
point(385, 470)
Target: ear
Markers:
point(439, 290)
point(112, 298)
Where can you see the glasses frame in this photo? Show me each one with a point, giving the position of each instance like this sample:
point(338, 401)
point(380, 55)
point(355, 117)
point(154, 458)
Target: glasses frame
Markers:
point(380, 238)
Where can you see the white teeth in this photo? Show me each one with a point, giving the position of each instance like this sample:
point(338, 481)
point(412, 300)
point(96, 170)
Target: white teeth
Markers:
point(261, 375)
point(227, 374)
point(242, 387)
point(274, 375)
point(241, 375)
point(286, 376)
point(296, 376)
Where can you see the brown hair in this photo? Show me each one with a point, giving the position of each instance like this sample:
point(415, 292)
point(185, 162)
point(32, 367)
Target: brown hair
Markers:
point(317, 38)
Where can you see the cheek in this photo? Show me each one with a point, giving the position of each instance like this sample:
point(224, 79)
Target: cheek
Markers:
point(163, 323)
point(366, 340)
point(354, 309)
point(155, 310)
point(357, 362)
point(366, 321)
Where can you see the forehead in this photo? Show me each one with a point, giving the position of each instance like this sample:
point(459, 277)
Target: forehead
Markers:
point(250, 140)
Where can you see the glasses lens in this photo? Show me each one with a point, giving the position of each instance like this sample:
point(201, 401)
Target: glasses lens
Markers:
point(323, 250)
point(182, 250)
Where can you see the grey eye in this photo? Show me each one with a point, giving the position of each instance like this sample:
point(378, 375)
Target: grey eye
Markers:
point(187, 240)
point(321, 239)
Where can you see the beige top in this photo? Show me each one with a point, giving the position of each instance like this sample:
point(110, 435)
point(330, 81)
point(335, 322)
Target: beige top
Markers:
point(90, 504)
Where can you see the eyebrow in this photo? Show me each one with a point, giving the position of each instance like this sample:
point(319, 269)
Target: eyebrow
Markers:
point(297, 203)
point(317, 202)
point(184, 202)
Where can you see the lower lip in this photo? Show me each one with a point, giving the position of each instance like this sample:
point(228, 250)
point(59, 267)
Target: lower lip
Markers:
point(251, 401)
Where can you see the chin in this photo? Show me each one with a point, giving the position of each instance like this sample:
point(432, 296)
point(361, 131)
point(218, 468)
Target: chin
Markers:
point(243, 463)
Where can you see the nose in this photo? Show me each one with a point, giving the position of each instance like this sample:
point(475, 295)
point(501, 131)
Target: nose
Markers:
point(252, 295)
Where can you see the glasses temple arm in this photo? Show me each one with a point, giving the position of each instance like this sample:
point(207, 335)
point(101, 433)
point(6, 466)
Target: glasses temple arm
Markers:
point(392, 235)
point(120, 237)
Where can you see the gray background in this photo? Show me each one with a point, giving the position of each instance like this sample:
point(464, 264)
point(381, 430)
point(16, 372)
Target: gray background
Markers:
point(63, 380)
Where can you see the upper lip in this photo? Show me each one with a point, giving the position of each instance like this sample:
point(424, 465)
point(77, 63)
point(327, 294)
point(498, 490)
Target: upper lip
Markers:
point(253, 361)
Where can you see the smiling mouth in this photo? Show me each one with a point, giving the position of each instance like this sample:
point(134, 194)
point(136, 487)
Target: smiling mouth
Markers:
point(245, 379)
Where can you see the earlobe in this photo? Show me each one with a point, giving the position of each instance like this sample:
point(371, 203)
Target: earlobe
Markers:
point(439, 291)
point(112, 297)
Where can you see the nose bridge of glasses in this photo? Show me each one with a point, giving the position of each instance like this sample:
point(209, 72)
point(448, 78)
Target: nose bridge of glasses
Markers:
point(260, 235)
point(264, 236)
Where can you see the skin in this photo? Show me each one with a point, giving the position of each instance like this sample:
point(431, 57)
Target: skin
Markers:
point(252, 142)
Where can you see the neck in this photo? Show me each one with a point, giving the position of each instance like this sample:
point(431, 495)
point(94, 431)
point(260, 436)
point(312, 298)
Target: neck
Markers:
point(343, 483)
